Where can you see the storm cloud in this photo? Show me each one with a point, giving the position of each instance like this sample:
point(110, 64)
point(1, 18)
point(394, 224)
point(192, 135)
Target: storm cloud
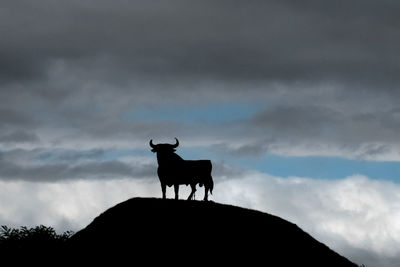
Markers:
point(72, 71)
point(258, 39)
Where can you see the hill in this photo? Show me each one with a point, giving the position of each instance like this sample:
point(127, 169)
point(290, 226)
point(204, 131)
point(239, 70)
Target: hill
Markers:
point(177, 232)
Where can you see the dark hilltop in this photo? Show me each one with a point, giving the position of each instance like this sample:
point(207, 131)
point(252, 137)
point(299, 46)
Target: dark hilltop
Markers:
point(147, 231)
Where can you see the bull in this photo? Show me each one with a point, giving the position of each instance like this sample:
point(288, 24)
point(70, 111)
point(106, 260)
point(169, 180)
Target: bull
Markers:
point(173, 170)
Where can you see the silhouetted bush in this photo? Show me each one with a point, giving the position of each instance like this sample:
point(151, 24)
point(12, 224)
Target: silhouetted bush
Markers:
point(31, 239)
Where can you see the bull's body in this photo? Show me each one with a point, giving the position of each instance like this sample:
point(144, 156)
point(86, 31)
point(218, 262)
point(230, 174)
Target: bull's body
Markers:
point(173, 170)
point(185, 172)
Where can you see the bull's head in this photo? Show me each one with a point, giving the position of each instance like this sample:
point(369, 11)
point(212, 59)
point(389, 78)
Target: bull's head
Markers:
point(163, 147)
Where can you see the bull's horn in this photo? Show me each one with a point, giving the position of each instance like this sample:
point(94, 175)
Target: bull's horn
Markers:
point(177, 143)
point(151, 144)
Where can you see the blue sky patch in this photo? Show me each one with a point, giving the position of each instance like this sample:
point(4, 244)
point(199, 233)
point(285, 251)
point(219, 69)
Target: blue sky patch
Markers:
point(322, 167)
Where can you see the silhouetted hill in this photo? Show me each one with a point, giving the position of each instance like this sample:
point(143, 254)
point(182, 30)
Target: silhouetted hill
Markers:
point(146, 231)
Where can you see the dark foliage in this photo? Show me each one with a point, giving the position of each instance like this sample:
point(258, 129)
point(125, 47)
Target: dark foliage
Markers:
point(37, 241)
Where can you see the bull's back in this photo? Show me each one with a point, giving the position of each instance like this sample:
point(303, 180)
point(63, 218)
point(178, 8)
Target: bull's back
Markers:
point(200, 167)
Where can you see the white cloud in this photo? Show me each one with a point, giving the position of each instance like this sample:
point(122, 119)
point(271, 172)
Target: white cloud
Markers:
point(66, 205)
point(356, 216)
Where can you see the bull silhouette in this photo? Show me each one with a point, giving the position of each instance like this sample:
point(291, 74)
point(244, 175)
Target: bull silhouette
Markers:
point(173, 170)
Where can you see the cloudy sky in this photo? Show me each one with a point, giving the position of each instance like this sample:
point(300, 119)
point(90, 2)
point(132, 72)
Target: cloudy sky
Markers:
point(296, 104)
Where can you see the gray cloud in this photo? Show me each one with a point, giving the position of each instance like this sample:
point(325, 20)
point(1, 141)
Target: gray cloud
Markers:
point(19, 136)
point(321, 122)
point(222, 171)
point(300, 121)
point(318, 129)
point(39, 166)
point(54, 165)
point(13, 117)
point(57, 171)
point(71, 155)
point(248, 149)
point(277, 40)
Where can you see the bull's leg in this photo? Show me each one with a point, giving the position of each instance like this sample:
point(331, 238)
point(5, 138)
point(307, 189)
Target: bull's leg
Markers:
point(193, 186)
point(176, 188)
point(208, 186)
point(206, 193)
point(164, 190)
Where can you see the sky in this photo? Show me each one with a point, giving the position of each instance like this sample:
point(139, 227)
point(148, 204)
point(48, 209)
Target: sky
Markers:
point(296, 104)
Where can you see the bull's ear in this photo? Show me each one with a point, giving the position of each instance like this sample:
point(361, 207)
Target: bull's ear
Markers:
point(154, 150)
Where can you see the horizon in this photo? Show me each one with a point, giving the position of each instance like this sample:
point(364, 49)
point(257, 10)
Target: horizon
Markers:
point(296, 105)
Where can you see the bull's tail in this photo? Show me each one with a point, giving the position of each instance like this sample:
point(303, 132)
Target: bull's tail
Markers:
point(211, 185)
point(211, 179)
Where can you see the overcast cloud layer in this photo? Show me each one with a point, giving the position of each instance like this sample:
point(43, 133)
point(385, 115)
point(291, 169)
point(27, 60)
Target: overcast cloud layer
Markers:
point(84, 86)
point(324, 75)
